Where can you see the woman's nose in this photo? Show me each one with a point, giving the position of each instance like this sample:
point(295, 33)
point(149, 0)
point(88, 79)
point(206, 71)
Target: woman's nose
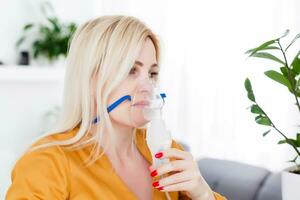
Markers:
point(146, 85)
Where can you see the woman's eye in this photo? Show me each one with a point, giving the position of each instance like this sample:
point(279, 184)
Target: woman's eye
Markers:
point(153, 74)
point(133, 70)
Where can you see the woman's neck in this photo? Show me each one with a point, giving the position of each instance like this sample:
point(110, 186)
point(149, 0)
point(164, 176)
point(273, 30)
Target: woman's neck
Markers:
point(121, 147)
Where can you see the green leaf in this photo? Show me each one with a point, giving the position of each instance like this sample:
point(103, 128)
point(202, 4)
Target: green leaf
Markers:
point(72, 27)
point(289, 141)
point(265, 133)
point(297, 86)
point(263, 46)
point(284, 71)
point(271, 47)
point(296, 64)
point(278, 77)
point(35, 53)
point(292, 142)
point(295, 38)
point(20, 41)
point(251, 96)
point(287, 31)
point(257, 117)
point(267, 56)
point(298, 139)
point(294, 160)
point(248, 87)
point(266, 45)
point(256, 109)
point(282, 142)
point(291, 79)
point(27, 27)
point(264, 121)
point(45, 30)
point(55, 24)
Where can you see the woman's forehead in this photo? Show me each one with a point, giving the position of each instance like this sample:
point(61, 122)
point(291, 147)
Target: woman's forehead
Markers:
point(147, 53)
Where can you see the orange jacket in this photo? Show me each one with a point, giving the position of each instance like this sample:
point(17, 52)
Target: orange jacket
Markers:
point(56, 173)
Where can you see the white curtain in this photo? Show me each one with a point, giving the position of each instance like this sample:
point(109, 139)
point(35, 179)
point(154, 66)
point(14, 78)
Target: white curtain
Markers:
point(204, 69)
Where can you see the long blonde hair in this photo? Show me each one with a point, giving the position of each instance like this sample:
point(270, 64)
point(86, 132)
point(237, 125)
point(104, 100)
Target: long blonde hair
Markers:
point(105, 47)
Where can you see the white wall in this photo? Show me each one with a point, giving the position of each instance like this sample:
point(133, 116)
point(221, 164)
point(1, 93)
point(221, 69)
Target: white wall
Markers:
point(27, 95)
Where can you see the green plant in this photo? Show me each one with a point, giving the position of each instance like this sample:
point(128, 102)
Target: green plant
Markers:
point(288, 76)
point(52, 39)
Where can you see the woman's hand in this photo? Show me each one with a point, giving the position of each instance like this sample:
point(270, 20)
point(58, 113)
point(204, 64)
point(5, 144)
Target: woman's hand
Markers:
point(185, 175)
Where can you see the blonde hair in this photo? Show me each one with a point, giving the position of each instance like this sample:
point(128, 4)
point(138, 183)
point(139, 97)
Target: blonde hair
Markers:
point(105, 47)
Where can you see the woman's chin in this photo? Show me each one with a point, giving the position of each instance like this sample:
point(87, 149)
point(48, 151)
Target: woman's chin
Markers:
point(137, 118)
point(141, 123)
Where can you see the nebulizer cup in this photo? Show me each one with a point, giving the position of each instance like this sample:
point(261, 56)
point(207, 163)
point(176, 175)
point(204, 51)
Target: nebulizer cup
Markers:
point(146, 112)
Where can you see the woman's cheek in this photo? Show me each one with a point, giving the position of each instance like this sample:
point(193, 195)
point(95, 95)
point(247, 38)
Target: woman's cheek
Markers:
point(129, 116)
point(137, 117)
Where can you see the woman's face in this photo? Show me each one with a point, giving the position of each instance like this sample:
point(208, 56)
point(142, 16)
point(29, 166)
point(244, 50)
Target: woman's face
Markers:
point(138, 85)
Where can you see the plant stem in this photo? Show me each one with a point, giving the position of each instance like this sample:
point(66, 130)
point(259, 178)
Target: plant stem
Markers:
point(289, 75)
point(283, 135)
point(296, 98)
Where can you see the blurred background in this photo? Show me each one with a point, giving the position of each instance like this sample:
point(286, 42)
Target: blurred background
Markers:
point(203, 72)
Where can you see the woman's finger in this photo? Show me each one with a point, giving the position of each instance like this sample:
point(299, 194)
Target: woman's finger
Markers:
point(174, 153)
point(173, 179)
point(177, 165)
point(182, 186)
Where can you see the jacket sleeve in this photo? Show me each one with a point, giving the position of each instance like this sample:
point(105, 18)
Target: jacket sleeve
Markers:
point(182, 194)
point(40, 174)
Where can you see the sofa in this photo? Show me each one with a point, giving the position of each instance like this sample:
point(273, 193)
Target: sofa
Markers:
point(238, 181)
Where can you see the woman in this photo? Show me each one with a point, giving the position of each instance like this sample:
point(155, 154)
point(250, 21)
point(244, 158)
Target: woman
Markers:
point(107, 158)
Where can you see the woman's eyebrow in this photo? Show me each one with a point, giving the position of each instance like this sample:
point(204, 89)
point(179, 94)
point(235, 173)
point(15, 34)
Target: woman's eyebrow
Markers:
point(142, 64)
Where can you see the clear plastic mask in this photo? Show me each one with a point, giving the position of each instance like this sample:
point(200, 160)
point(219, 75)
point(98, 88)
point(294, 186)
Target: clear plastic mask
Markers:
point(144, 102)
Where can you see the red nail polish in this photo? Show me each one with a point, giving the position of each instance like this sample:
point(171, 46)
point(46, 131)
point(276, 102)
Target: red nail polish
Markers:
point(159, 155)
point(155, 184)
point(154, 173)
point(161, 188)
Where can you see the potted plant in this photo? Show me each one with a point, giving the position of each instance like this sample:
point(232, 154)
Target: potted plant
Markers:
point(50, 39)
point(289, 76)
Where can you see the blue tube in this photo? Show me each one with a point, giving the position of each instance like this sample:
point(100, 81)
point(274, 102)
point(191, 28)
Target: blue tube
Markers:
point(118, 102)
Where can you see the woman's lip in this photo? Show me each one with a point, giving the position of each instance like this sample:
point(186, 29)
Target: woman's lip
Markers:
point(142, 103)
point(140, 106)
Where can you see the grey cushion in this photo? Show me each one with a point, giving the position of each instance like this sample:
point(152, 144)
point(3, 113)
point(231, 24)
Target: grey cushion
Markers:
point(238, 181)
point(271, 188)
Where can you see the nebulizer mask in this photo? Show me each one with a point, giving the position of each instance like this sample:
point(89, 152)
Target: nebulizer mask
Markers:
point(146, 105)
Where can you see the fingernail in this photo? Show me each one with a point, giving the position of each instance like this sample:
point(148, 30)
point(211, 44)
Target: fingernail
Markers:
point(161, 188)
point(154, 173)
point(159, 155)
point(155, 184)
